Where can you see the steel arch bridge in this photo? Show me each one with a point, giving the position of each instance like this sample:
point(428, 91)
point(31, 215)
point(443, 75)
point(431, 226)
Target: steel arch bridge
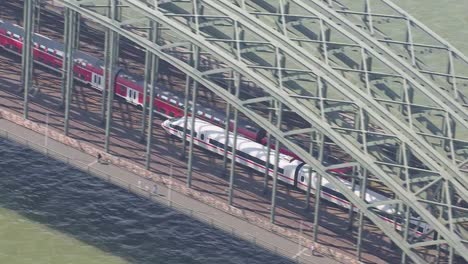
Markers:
point(363, 81)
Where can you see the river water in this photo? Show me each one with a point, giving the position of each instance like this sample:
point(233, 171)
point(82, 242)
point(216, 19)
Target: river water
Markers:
point(52, 213)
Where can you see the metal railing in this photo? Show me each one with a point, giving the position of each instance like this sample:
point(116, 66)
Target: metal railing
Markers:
point(148, 193)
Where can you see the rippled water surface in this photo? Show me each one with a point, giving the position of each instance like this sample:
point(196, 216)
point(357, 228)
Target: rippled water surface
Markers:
point(52, 213)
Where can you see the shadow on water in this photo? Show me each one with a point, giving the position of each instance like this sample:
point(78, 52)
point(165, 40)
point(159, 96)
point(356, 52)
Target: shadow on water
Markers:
point(54, 194)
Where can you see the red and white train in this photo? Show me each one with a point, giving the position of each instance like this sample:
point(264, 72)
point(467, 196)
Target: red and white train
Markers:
point(291, 171)
point(89, 70)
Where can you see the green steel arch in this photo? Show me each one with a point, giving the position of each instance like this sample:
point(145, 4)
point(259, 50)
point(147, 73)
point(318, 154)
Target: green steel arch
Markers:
point(352, 140)
point(460, 117)
point(418, 55)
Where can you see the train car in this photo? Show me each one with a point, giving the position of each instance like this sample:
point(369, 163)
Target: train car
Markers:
point(89, 70)
point(291, 171)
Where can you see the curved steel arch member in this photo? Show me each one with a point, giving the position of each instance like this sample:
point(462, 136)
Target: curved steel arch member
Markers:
point(449, 82)
point(441, 155)
point(375, 17)
point(285, 98)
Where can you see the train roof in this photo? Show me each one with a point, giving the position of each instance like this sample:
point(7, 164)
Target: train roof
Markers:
point(123, 73)
point(50, 43)
point(243, 144)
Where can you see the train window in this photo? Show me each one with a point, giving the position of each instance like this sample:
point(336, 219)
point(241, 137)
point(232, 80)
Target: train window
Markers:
point(216, 143)
point(243, 154)
point(172, 102)
point(250, 128)
point(258, 161)
point(190, 131)
point(164, 97)
point(199, 112)
point(208, 116)
point(135, 95)
point(16, 36)
point(50, 51)
point(8, 33)
point(217, 120)
point(42, 47)
point(302, 178)
point(202, 136)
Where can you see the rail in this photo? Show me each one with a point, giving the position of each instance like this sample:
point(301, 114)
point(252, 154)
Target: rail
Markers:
point(148, 193)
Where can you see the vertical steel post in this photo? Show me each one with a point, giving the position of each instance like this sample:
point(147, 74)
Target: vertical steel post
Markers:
point(280, 62)
point(275, 171)
point(194, 113)
point(68, 59)
point(148, 62)
point(361, 214)
point(309, 179)
point(449, 197)
point(267, 165)
point(364, 125)
point(105, 81)
point(110, 71)
point(27, 58)
point(350, 209)
point(154, 73)
point(186, 109)
point(66, 36)
point(196, 62)
point(148, 69)
point(321, 89)
point(318, 190)
point(227, 126)
point(405, 232)
point(234, 143)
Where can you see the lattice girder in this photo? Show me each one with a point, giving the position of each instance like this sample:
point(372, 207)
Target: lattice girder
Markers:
point(446, 130)
point(430, 54)
point(313, 113)
point(417, 48)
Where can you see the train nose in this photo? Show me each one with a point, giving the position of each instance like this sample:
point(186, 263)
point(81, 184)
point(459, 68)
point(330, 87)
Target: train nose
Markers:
point(165, 124)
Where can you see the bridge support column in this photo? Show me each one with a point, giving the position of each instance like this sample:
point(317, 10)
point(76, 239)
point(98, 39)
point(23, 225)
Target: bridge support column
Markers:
point(154, 63)
point(275, 171)
point(196, 61)
point(186, 108)
point(27, 58)
point(363, 121)
point(71, 18)
point(361, 215)
point(318, 190)
point(350, 209)
point(309, 180)
point(234, 143)
point(227, 127)
point(267, 165)
point(112, 48)
point(152, 35)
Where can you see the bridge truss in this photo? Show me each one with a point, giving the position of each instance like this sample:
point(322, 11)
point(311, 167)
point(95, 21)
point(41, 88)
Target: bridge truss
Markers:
point(325, 79)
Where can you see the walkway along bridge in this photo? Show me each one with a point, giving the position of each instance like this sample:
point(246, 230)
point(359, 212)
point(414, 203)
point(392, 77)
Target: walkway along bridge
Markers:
point(366, 82)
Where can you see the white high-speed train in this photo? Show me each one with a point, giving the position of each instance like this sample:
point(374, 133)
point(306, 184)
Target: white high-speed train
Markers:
point(290, 171)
